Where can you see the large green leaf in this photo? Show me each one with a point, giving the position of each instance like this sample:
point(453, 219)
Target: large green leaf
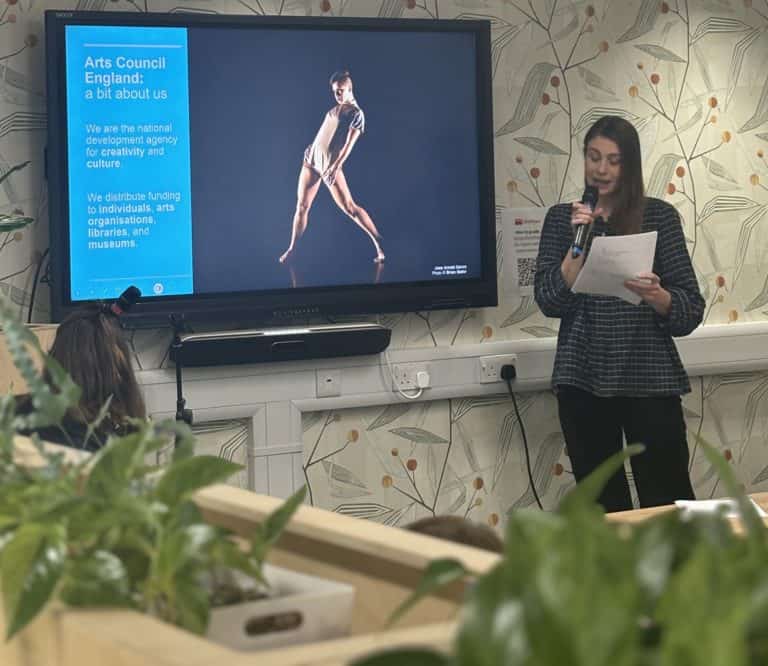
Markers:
point(31, 564)
point(587, 491)
point(180, 548)
point(190, 607)
point(183, 478)
point(115, 465)
point(270, 529)
point(438, 574)
point(99, 579)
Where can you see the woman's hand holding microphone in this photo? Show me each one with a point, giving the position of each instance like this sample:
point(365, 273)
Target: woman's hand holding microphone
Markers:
point(581, 214)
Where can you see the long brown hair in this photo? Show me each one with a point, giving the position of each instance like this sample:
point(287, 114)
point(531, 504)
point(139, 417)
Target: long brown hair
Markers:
point(627, 214)
point(90, 346)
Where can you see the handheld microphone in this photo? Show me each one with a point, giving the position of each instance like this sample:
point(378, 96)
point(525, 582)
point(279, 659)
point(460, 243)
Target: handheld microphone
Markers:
point(582, 230)
point(125, 301)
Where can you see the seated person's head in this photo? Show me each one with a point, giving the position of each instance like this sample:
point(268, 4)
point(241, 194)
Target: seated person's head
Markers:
point(90, 346)
point(460, 530)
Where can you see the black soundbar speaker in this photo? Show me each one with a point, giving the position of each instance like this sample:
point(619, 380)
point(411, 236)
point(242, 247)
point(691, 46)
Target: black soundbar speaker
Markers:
point(279, 344)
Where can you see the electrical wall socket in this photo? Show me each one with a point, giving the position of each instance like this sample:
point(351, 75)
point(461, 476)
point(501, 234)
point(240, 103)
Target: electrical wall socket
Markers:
point(490, 366)
point(404, 375)
point(328, 383)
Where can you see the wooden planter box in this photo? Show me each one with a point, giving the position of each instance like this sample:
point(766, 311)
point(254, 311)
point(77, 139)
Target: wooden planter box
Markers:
point(384, 564)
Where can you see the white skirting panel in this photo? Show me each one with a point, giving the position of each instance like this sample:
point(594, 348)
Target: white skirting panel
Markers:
point(274, 395)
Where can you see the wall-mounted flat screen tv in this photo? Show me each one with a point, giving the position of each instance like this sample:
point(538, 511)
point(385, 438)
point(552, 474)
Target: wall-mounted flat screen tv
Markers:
point(269, 168)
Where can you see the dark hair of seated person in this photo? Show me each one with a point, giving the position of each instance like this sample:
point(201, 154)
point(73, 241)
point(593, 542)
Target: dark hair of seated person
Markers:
point(90, 346)
point(459, 530)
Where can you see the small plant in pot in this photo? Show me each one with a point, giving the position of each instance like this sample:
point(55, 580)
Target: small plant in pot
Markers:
point(575, 589)
point(111, 530)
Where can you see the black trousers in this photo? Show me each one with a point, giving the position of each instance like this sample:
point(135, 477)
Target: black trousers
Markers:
point(593, 428)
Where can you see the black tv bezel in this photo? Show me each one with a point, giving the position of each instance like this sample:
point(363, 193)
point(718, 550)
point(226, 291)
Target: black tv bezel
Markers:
point(271, 306)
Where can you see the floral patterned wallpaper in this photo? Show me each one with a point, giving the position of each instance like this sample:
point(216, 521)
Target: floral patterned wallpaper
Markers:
point(688, 73)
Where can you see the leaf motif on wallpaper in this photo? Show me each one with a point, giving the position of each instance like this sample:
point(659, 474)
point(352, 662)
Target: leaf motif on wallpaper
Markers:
point(714, 257)
point(343, 482)
point(499, 43)
point(540, 145)
point(438, 320)
point(525, 309)
point(564, 490)
point(507, 430)
point(364, 510)
point(745, 233)
point(700, 58)
point(593, 80)
point(469, 451)
point(763, 476)
point(540, 331)
point(547, 123)
point(17, 296)
point(725, 202)
point(499, 250)
point(714, 168)
point(711, 472)
point(588, 118)
point(693, 120)
point(497, 23)
point(549, 453)
point(644, 21)
point(760, 300)
point(762, 135)
point(754, 402)
point(310, 419)
point(717, 25)
point(455, 484)
point(393, 320)
point(760, 114)
point(737, 60)
point(389, 414)
point(391, 9)
point(568, 28)
point(662, 174)
point(432, 468)
point(16, 79)
point(732, 378)
point(6, 170)
point(418, 435)
point(688, 412)
point(659, 52)
point(529, 101)
point(22, 121)
point(368, 511)
point(466, 405)
point(502, 32)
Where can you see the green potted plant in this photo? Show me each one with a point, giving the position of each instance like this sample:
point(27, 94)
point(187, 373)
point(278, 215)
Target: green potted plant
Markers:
point(111, 530)
point(574, 589)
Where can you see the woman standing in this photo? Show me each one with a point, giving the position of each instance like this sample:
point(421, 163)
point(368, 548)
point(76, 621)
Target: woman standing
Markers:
point(617, 373)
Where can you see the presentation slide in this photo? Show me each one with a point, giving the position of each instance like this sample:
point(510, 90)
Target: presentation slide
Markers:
point(129, 161)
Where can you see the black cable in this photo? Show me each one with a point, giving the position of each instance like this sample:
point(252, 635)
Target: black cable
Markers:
point(508, 373)
point(34, 284)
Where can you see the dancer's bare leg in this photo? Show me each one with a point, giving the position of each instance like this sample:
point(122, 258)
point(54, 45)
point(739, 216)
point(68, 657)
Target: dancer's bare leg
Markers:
point(343, 198)
point(309, 184)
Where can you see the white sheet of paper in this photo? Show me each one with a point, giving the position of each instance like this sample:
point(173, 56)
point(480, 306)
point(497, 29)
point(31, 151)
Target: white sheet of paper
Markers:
point(728, 505)
point(611, 261)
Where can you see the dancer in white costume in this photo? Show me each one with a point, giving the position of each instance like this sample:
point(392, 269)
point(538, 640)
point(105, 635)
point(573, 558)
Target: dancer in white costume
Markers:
point(323, 161)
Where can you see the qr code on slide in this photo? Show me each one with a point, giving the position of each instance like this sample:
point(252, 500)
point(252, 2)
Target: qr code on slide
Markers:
point(526, 268)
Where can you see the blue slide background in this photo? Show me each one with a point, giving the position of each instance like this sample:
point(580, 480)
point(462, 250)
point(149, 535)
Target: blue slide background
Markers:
point(161, 263)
